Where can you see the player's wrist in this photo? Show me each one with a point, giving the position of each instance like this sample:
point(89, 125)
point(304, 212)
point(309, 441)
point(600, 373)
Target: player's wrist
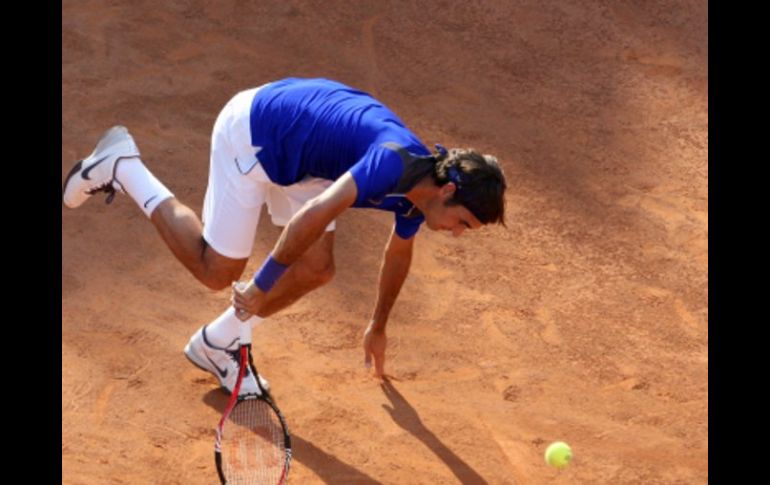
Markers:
point(269, 274)
point(377, 325)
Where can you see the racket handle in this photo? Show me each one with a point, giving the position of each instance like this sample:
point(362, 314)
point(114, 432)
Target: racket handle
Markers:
point(244, 317)
point(245, 333)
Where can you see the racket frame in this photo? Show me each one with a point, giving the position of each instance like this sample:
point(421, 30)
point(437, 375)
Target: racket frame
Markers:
point(235, 399)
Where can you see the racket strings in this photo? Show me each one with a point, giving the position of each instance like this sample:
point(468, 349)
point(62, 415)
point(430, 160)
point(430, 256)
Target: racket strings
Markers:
point(253, 446)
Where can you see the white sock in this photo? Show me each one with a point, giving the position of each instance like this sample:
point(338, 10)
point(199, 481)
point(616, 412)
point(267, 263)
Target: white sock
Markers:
point(138, 182)
point(224, 331)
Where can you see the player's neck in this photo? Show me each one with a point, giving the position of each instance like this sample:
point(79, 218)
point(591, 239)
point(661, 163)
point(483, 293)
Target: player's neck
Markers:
point(422, 193)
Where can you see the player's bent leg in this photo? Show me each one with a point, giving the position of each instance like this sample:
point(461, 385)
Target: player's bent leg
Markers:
point(182, 231)
point(214, 347)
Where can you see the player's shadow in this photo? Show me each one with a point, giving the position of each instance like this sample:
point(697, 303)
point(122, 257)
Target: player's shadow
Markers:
point(327, 467)
point(406, 416)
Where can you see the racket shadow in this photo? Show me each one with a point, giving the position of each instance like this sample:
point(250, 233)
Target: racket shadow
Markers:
point(327, 467)
point(404, 415)
point(217, 399)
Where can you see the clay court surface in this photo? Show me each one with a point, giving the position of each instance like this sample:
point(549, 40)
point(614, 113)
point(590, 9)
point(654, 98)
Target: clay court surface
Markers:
point(584, 321)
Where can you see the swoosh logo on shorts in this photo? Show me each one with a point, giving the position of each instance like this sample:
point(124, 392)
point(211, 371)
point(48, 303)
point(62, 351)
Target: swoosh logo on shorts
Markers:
point(254, 163)
point(222, 372)
point(91, 167)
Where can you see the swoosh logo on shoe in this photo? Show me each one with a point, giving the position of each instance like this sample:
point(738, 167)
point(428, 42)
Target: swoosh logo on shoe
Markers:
point(149, 200)
point(89, 168)
point(222, 372)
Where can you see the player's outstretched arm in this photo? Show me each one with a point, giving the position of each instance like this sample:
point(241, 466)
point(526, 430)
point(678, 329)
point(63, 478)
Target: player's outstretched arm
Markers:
point(395, 267)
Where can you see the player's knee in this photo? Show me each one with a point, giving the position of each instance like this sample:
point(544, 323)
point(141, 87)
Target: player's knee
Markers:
point(320, 270)
point(216, 271)
point(213, 282)
point(326, 272)
point(218, 278)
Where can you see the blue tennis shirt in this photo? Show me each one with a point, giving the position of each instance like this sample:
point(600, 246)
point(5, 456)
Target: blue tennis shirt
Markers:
point(322, 128)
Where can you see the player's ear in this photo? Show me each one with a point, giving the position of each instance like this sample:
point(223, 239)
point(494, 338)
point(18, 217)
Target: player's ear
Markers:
point(447, 190)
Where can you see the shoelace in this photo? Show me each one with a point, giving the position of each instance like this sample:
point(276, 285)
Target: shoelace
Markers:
point(105, 187)
point(236, 356)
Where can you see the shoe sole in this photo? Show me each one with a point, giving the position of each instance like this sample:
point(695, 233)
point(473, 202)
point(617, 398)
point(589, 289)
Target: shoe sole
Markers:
point(73, 171)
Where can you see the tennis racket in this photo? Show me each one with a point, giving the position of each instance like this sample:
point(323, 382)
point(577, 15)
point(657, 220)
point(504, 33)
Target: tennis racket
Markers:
point(253, 445)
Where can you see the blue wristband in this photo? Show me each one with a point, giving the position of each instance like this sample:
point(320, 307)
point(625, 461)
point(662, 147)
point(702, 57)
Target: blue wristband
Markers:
point(269, 273)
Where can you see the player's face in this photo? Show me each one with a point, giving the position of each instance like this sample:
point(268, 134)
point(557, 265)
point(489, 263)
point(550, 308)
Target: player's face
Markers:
point(453, 218)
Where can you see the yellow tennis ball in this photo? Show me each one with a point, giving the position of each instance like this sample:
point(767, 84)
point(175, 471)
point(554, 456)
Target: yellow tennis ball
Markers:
point(558, 454)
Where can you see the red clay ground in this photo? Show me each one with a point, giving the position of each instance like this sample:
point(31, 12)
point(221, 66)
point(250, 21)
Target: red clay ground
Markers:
point(585, 320)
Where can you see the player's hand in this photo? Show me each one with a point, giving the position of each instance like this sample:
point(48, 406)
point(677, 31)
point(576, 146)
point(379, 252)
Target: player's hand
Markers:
point(375, 342)
point(247, 299)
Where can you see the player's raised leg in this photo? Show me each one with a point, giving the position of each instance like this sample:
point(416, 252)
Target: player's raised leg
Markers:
point(114, 167)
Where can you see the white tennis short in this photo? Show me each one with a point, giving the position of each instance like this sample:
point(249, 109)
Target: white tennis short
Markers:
point(238, 186)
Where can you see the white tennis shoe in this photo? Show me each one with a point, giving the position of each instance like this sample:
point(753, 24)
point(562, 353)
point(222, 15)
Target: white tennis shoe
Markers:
point(224, 363)
point(96, 173)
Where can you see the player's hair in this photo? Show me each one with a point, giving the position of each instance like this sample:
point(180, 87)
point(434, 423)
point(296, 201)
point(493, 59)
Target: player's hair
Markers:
point(480, 181)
